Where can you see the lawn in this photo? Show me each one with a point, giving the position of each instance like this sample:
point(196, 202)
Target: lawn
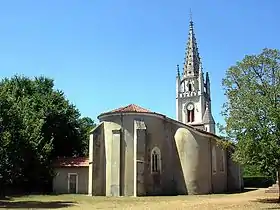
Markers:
point(254, 199)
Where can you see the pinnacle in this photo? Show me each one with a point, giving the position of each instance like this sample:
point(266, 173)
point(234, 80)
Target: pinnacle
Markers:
point(192, 59)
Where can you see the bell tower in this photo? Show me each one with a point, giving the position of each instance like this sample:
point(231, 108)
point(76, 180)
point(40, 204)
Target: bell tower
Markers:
point(193, 101)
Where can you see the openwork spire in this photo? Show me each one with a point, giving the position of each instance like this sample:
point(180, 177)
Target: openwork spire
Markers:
point(192, 59)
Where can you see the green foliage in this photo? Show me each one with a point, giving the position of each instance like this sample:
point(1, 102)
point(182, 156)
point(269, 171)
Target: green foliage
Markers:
point(86, 124)
point(252, 110)
point(225, 144)
point(252, 170)
point(37, 125)
point(258, 181)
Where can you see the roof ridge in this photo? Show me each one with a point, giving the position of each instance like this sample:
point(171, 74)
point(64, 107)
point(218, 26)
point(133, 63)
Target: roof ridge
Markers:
point(129, 108)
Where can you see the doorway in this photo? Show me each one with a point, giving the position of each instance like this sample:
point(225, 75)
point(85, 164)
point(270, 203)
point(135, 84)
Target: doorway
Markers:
point(72, 183)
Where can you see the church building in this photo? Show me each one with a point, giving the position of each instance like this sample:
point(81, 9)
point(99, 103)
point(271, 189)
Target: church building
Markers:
point(137, 152)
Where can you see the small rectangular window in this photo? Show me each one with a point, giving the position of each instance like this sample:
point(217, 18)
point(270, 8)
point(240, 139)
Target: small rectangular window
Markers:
point(214, 160)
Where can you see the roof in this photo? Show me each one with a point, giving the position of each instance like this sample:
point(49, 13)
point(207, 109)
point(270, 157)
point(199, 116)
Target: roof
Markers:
point(132, 108)
point(71, 162)
point(208, 118)
point(129, 108)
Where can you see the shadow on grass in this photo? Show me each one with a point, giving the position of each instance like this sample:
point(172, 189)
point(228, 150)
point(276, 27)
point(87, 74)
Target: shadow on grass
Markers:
point(35, 204)
point(274, 201)
point(5, 198)
point(268, 200)
point(248, 190)
point(239, 192)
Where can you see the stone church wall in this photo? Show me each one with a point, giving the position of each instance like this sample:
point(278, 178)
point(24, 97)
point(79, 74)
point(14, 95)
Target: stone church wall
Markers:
point(185, 158)
point(126, 153)
point(235, 181)
point(191, 151)
point(219, 178)
point(97, 160)
point(158, 134)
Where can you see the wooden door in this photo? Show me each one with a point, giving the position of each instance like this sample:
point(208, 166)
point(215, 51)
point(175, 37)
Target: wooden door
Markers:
point(72, 183)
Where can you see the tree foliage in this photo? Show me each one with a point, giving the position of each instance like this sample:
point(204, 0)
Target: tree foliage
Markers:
point(253, 171)
point(37, 125)
point(252, 109)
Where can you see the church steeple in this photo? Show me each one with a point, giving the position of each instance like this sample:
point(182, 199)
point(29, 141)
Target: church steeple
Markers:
point(192, 59)
point(193, 102)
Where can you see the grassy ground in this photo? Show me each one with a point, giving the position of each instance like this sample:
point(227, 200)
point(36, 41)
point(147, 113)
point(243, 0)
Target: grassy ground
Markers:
point(255, 199)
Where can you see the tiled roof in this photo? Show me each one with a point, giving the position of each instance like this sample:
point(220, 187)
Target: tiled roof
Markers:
point(129, 108)
point(138, 109)
point(72, 162)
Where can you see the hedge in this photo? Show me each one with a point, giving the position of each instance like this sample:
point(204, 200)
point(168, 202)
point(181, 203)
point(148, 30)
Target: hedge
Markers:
point(258, 181)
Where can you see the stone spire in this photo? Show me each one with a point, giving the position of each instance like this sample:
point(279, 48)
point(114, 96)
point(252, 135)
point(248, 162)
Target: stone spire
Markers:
point(192, 59)
point(208, 118)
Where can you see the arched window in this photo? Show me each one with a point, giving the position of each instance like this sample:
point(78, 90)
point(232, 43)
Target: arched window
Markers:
point(155, 160)
point(214, 161)
point(190, 115)
point(190, 112)
point(190, 87)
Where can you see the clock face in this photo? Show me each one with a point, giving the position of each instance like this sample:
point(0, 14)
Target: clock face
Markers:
point(190, 107)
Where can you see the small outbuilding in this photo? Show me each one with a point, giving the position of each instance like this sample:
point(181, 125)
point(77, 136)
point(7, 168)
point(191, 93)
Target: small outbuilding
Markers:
point(71, 175)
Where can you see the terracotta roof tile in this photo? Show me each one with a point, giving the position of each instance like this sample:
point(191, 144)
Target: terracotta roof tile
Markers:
point(72, 162)
point(130, 108)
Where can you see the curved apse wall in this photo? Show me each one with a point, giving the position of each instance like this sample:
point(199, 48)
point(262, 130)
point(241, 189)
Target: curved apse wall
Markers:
point(193, 152)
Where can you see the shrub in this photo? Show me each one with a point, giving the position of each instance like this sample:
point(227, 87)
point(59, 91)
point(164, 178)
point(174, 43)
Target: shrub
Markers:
point(258, 181)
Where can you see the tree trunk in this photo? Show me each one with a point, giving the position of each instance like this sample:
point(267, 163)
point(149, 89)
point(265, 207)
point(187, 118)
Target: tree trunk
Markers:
point(277, 182)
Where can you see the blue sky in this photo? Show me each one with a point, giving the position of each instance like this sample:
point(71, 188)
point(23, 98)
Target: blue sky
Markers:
point(109, 53)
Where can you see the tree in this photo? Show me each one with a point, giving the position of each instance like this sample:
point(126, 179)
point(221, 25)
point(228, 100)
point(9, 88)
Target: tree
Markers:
point(252, 110)
point(252, 170)
point(37, 125)
point(86, 125)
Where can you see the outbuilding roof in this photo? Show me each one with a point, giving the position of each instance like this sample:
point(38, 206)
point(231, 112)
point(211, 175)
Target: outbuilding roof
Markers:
point(72, 162)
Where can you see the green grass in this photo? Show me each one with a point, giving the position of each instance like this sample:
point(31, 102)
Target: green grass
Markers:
point(249, 200)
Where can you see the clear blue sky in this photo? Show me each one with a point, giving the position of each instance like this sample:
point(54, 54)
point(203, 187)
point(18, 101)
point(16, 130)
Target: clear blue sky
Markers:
point(109, 53)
